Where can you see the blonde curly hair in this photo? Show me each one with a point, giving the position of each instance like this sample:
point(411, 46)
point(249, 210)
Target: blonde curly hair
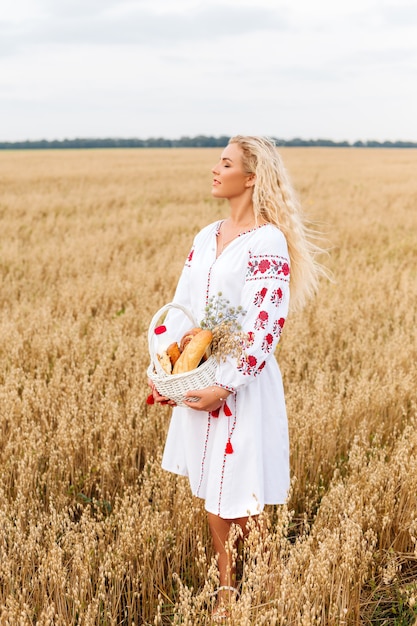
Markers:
point(274, 201)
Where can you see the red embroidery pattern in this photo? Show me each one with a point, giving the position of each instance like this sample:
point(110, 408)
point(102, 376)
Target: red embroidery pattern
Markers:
point(278, 326)
point(189, 258)
point(247, 364)
point(259, 296)
point(267, 266)
point(227, 451)
point(203, 460)
point(267, 343)
point(208, 284)
point(262, 320)
point(227, 387)
point(276, 297)
point(251, 338)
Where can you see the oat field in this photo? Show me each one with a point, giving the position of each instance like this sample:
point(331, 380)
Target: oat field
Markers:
point(92, 531)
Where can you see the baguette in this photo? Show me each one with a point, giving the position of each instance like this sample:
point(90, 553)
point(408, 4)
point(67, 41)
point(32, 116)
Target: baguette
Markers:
point(193, 352)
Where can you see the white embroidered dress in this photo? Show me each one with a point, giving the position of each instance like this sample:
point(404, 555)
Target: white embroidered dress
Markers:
point(237, 461)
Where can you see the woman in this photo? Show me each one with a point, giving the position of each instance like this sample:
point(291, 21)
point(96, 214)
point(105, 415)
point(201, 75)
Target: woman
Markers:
point(231, 439)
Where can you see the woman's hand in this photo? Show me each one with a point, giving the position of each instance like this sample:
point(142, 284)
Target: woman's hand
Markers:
point(209, 399)
point(157, 396)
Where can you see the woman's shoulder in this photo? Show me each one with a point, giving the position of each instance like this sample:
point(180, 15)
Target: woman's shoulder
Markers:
point(270, 238)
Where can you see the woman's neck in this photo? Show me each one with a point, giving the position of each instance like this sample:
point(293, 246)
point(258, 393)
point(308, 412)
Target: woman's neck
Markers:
point(241, 214)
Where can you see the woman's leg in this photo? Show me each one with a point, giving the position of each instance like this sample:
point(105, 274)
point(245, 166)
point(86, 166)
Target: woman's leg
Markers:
point(220, 529)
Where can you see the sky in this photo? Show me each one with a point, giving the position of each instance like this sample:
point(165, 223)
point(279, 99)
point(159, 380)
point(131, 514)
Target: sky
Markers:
point(333, 69)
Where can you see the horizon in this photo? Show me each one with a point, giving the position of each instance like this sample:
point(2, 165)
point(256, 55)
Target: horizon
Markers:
point(214, 139)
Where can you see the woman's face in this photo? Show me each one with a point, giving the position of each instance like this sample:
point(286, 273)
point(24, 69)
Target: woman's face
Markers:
point(230, 180)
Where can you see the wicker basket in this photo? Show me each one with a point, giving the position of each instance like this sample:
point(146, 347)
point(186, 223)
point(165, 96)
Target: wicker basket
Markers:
point(174, 386)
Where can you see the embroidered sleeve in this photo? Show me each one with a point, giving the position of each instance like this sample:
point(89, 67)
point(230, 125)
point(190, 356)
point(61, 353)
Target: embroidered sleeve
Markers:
point(265, 298)
point(263, 266)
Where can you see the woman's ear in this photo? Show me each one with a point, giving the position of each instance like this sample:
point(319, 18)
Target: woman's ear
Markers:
point(251, 180)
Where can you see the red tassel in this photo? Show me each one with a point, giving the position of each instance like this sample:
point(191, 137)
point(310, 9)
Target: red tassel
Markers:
point(215, 413)
point(229, 447)
point(150, 399)
point(226, 410)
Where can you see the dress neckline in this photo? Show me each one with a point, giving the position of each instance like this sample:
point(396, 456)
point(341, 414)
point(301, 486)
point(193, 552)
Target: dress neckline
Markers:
point(244, 232)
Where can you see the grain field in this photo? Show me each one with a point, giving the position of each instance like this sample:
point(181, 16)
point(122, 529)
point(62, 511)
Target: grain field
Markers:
point(92, 530)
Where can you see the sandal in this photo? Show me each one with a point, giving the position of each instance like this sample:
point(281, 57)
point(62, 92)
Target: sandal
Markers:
point(220, 612)
point(226, 588)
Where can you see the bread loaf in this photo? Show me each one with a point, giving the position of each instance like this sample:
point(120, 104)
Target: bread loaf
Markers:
point(188, 336)
point(173, 352)
point(193, 352)
point(165, 362)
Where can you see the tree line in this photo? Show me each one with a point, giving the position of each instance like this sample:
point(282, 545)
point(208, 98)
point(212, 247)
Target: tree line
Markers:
point(200, 141)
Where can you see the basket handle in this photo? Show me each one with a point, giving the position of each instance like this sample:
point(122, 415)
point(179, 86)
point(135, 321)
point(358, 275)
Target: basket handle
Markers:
point(152, 326)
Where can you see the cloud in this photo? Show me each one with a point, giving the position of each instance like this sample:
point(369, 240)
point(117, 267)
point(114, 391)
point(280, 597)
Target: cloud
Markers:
point(95, 23)
point(399, 15)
